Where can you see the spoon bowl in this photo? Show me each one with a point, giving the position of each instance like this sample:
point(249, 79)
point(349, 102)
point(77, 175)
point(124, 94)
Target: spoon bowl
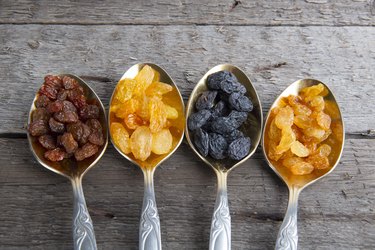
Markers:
point(288, 236)
point(220, 234)
point(83, 231)
point(149, 229)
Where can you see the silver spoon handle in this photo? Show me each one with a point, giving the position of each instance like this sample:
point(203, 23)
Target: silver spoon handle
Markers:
point(83, 230)
point(287, 237)
point(220, 235)
point(149, 228)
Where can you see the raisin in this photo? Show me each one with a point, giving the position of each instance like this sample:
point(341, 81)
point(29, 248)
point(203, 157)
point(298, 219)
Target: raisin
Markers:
point(69, 143)
point(219, 110)
point(77, 98)
point(66, 117)
point(48, 91)
point(80, 132)
point(38, 128)
point(56, 154)
point(217, 146)
point(201, 141)
point(56, 126)
point(85, 135)
point(68, 106)
point(162, 142)
point(198, 119)
point(54, 107)
point(89, 112)
point(239, 117)
point(42, 101)
point(53, 81)
point(69, 82)
point(240, 102)
point(235, 134)
point(86, 151)
point(133, 121)
point(230, 87)
point(223, 125)
point(214, 80)
point(141, 143)
point(47, 141)
point(239, 148)
point(40, 114)
point(206, 100)
point(94, 124)
point(62, 95)
point(96, 137)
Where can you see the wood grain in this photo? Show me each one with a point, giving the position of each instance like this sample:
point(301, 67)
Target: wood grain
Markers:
point(273, 57)
point(164, 12)
point(36, 205)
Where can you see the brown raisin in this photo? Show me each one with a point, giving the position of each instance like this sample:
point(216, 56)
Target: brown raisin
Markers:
point(69, 143)
point(56, 126)
point(47, 141)
point(94, 124)
point(48, 91)
point(89, 112)
point(68, 106)
point(86, 151)
point(38, 128)
point(42, 101)
point(69, 83)
point(66, 117)
point(80, 132)
point(54, 107)
point(53, 81)
point(97, 138)
point(56, 154)
point(40, 114)
point(62, 95)
point(77, 98)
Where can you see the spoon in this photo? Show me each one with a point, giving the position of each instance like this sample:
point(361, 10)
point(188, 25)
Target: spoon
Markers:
point(149, 228)
point(83, 231)
point(288, 235)
point(220, 234)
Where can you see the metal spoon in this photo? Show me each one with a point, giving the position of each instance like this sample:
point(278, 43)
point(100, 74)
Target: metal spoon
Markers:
point(220, 235)
point(149, 228)
point(83, 231)
point(288, 235)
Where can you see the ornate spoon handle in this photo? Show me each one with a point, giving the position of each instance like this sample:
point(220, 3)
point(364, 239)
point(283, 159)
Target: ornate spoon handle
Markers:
point(220, 236)
point(83, 230)
point(287, 237)
point(149, 228)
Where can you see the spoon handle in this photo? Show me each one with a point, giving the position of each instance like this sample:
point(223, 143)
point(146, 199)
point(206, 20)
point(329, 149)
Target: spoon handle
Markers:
point(287, 237)
point(149, 228)
point(220, 235)
point(83, 230)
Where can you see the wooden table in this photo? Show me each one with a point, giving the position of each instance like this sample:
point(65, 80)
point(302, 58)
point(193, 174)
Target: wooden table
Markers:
point(275, 42)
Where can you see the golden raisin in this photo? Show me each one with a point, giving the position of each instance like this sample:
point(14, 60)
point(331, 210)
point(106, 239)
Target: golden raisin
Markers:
point(120, 137)
point(158, 88)
point(287, 139)
point(299, 149)
point(124, 90)
point(324, 121)
point(140, 143)
point(284, 117)
point(161, 142)
point(158, 116)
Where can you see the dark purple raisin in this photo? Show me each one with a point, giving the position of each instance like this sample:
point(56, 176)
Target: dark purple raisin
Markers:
point(66, 117)
point(220, 109)
point(86, 151)
point(40, 114)
point(206, 100)
point(68, 106)
point(89, 112)
point(48, 91)
point(56, 126)
point(38, 128)
point(198, 119)
point(69, 143)
point(47, 141)
point(239, 117)
point(94, 124)
point(54, 107)
point(42, 101)
point(230, 87)
point(218, 146)
point(62, 95)
point(201, 141)
point(96, 137)
point(240, 102)
point(223, 125)
point(69, 82)
point(214, 80)
point(239, 148)
point(56, 154)
point(235, 134)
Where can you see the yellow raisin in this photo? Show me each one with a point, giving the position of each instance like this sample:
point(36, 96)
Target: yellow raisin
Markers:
point(144, 79)
point(120, 137)
point(318, 161)
point(272, 154)
point(171, 112)
point(317, 103)
point(133, 121)
point(312, 90)
point(314, 132)
point(284, 117)
point(300, 109)
point(302, 168)
point(299, 149)
point(124, 90)
point(140, 143)
point(324, 121)
point(274, 133)
point(287, 139)
point(158, 88)
point(162, 142)
point(323, 150)
point(158, 117)
point(129, 107)
point(303, 121)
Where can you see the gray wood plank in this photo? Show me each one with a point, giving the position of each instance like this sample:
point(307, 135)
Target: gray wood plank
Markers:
point(273, 57)
point(278, 12)
point(334, 213)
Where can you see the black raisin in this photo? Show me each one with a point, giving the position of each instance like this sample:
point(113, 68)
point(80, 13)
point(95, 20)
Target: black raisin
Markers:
point(201, 141)
point(240, 102)
point(220, 109)
point(230, 87)
point(239, 117)
point(56, 126)
point(223, 125)
point(214, 80)
point(198, 119)
point(218, 146)
point(235, 134)
point(206, 100)
point(239, 148)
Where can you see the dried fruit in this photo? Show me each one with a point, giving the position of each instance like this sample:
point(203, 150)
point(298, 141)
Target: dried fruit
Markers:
point(239, 117)
point(224, 125)
point(324, 121)
point(214, 80)
point(287, 139)
point(94, 124)
point(239, 148)
point(133, 121)
point(124, 90)
point(170, 112)
point(89, 112)
point(42, 101)
point(284, 118)
point(69, 143)
point(96, 137)
point(299, 149)
point(220, 109)
point(56, 154)
point(47, 141)
point(318, 161)
point(55, 126)
point(206, 100)
point(158, 89)
point(86, 151)
point(217, 146)
point(162, 142)
point(240, 102)
point(235, 134)
point(323, 150)
point(40, 114)
point(144, 79)
point(68, 106)
point(69, 82)
point(38, 128)
point(55, 106)
point(66, 117)
point(303, 121)
point(140, 143)
point(120, 137)
point(201, 141)
point(198, 119)
point(158, 116)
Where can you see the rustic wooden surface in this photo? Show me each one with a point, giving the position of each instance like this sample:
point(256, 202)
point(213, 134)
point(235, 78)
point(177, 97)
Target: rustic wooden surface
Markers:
point(275, 42)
